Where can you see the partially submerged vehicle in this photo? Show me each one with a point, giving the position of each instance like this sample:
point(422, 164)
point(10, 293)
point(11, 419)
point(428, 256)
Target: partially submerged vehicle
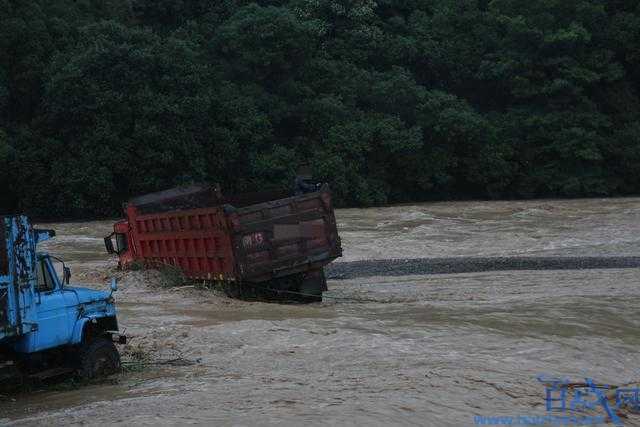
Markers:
point(47, 327)
point(265, 245)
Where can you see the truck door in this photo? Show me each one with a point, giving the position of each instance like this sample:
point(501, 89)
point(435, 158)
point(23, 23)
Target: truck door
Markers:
point(54, 328)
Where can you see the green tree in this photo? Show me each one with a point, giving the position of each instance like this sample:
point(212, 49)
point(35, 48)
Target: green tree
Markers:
point(388, 100)
point(121, 109)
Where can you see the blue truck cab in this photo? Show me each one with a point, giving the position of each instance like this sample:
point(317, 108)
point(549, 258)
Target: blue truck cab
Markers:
point(48, 327)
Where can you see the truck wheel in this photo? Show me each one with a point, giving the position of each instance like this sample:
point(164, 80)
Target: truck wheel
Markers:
point(11, 378)
point(98, 358)
point(313, 285)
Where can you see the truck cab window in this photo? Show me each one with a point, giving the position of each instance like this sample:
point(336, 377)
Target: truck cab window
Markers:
point(121, 242)
point(45, 281)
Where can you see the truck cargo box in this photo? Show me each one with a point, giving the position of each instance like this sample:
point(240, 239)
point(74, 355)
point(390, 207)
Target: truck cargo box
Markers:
point(9, 293)
point(270, 241)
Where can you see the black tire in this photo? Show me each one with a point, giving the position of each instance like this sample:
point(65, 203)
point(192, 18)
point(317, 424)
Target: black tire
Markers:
point(98, 358)
point(313, 285)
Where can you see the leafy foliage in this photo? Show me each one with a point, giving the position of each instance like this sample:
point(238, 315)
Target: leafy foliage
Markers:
point(387, 100)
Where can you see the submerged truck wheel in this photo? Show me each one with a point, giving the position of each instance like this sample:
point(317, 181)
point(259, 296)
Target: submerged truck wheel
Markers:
point(98, 358)
point(314, 283)
point(301, 288)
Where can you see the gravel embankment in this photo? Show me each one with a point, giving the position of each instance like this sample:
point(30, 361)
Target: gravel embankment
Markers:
point(406, 267)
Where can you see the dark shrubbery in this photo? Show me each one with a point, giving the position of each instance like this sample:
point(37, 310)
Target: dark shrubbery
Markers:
point(388, 100)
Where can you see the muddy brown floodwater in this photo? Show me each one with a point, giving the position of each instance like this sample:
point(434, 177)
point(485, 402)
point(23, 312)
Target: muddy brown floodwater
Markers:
point(417, 350)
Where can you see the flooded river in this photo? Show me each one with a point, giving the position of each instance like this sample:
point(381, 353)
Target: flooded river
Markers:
point(434, 349)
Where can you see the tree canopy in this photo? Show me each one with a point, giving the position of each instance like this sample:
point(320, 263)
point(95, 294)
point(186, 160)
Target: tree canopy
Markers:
point(387, 100)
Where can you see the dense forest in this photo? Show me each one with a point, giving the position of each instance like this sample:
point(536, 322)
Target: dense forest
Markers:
point(387, 100)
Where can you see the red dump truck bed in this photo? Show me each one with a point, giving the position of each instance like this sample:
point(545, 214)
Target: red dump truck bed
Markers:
point(257, 242)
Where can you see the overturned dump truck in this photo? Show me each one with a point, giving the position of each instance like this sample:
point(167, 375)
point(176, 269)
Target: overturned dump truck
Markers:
point(268, 245)
point(47, 327)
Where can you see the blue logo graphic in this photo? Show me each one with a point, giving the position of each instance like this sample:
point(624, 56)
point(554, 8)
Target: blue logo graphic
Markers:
point(589, 396)
point(628, 398)
point(564, 396)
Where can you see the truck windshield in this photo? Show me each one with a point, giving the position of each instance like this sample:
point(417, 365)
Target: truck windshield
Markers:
point(45, 281)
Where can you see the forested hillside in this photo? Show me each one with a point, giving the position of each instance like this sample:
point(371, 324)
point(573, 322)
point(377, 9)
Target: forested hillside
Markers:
point(389, 100)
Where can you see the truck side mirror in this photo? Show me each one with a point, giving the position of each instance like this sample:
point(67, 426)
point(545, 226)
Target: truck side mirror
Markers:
point(114, 285)
point(66, 275)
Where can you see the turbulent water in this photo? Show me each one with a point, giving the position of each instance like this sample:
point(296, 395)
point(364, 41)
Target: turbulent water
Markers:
point(434, 349)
